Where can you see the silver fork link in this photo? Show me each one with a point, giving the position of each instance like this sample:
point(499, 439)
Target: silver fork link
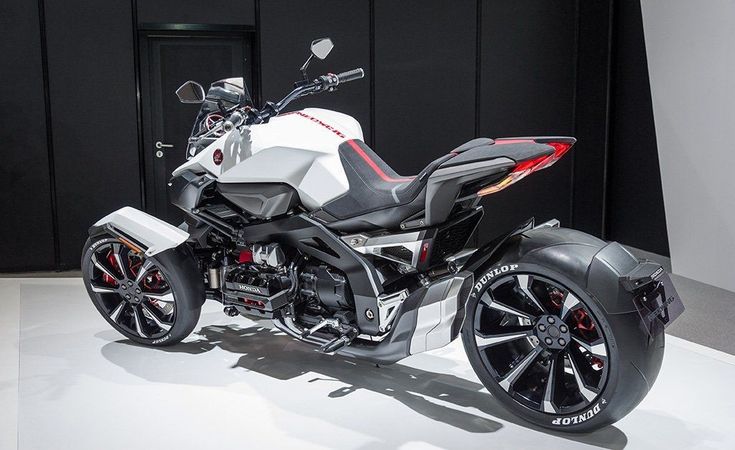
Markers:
point(330, 322)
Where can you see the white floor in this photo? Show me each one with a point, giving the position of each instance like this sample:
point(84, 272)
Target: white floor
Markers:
point(67, 381)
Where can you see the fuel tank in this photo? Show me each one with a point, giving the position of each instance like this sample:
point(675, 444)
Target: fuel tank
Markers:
point(299, 149)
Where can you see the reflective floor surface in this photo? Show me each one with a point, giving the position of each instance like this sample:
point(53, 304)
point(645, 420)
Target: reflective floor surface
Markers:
point(68, 381)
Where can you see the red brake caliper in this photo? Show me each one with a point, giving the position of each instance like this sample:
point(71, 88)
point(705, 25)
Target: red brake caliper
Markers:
point(587, 328)
point(113, 262)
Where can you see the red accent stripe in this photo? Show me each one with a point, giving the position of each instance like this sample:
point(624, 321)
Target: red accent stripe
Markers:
point(374, 166)
point(514, 141)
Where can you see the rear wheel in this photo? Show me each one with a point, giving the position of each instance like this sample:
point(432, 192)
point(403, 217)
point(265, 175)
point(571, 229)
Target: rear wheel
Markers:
point(149, 300)
point(546, 349)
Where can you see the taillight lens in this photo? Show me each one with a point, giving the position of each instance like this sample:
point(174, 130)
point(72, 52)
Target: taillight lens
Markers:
point(560, 148)
point(524, 168)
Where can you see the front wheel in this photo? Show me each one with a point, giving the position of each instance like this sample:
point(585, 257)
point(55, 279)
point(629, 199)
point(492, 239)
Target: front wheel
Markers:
point(154, 301)
point(547, 349)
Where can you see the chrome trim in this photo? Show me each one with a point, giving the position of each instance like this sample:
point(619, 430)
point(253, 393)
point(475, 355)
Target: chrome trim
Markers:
point(388, 308)
point(457, 261)
point(332, 323)
point(374, 245)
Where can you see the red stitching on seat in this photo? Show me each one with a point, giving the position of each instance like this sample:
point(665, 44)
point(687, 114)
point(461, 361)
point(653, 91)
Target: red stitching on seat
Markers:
point(374, 166)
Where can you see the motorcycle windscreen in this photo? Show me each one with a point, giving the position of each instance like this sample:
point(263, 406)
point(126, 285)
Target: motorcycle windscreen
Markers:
point(660, 306)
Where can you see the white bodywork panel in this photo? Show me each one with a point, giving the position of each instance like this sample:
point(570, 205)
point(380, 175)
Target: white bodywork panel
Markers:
point(150, 231)
point(299, 149)
point(434, 320)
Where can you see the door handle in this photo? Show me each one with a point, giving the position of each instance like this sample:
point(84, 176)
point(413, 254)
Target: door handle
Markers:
point(160, 144)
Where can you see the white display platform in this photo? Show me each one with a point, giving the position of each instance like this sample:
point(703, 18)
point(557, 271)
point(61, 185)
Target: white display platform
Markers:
point(68, 381)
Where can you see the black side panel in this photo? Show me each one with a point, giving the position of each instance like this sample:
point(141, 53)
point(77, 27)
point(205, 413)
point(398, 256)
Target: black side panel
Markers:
point(26, 230)
point(635, 207)
point(313, 239)
point(92, 90)
point(286, 30)
point(527, 88)
point(218, 12)
point(424, 79)
point(262, 200)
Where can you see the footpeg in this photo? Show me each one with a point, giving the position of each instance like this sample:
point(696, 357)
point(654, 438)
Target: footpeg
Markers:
point(335, 344)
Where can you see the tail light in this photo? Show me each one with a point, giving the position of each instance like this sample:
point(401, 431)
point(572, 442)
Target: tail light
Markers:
point(524, 168)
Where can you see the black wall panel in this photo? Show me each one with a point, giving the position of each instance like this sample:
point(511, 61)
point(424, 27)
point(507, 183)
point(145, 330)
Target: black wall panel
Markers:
point(528, 61)
point(424, 79)
point(592, 115)
point(26, 228)
point(286, 30)
point(635, 207)
point(94, 118)
point(438, 74)
point(220, 12)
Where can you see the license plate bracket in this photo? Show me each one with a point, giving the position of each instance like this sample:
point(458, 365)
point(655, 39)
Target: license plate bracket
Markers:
point(659, 306)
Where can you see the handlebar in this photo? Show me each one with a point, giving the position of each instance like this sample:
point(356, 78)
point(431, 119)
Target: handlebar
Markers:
point(350, 75)
point(324, 83)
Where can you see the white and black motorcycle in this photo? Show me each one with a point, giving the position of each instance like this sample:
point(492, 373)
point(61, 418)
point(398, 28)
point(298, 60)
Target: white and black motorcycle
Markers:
point(293, 218)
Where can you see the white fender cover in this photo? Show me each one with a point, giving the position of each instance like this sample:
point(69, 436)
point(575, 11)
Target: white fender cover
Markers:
point(155, 234)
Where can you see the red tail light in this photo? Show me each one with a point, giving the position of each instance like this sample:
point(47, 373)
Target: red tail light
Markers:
point(524, 168)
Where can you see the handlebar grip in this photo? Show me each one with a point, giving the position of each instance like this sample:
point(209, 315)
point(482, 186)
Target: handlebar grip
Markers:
point(350, 75)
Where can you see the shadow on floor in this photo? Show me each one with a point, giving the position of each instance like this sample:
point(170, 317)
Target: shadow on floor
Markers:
point(278, 356)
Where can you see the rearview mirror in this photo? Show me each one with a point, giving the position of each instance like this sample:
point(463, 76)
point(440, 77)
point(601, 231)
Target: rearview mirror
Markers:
point(190, 92)
point(321, 47)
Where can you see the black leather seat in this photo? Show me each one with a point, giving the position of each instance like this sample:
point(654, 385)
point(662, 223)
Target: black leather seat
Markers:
point(380, 198)
point(374, 185)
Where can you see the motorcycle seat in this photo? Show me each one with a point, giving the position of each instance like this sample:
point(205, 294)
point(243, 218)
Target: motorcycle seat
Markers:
point(373, 183)
point(380, 198)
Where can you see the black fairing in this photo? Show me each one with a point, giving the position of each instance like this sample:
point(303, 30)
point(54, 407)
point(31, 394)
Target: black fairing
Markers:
point(260, 200)
point(186, 190)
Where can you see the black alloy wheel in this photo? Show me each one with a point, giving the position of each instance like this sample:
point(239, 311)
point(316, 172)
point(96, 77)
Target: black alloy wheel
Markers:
point(541, 344)
point(131, 290)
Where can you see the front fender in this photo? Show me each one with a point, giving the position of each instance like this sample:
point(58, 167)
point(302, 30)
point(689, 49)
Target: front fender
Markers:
point(150, 234)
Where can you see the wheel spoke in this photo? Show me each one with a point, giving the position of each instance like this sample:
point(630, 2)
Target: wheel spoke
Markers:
point(511, 377)
point(583, 389)
point(484, 340)
point(115, 314)
point(101, 289)
point(144, 269)
point(138, 326)
point(570, 301)
point(104, 269)
point(118, 259)
point(524, 282)
point(490, 303)
point(151, 315)
point(548, 402)
point(598, 349)
point(166, 297)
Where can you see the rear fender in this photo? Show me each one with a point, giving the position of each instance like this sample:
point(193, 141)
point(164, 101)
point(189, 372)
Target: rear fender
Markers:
point(148, 233)
point(605, 269)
